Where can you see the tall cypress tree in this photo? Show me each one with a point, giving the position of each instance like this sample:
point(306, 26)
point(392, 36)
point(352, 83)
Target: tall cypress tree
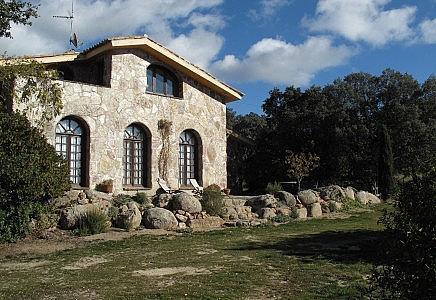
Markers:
point(385, 164)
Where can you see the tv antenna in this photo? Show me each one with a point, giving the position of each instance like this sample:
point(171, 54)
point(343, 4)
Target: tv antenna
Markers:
point(74, 40)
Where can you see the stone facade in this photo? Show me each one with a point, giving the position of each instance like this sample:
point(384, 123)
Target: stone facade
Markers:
point(122, 100)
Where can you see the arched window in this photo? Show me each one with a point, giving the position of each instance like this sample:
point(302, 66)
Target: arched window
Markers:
point(71, 141)
point(162, 81)
point(188, 157)
point(135, 156)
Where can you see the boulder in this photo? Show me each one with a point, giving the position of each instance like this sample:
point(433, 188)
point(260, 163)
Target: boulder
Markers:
point(314, 210)
point(159, 218)
point(301, 213)
point(367, 198)
point(230, 213)
point(73, 194)
point(181, 218)
point(93, 194)
point(267, 213)
point(308, 197)
point(350, 193)
point(332, 192)
point(283, 211)
point(162, 200)
point(286, 198)
point(243, 216)
point(129, 218)
point(181, 225)
point(325, 207)
point(102, 204)
point(208, 222)
point(61, 202)
point(185, 202)
point(334, 206)
point(69, 216)
point(262, 201)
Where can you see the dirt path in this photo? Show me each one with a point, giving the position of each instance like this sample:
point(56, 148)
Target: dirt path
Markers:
point(58, 240)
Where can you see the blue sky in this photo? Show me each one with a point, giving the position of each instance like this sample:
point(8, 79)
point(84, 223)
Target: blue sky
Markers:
point(254, 45)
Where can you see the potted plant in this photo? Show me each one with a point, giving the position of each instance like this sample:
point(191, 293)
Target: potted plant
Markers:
point(107, 186)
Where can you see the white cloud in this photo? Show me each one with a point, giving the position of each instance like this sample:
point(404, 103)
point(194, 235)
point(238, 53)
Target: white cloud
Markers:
point(207, 21)
point(428, 31)
point(199, 46)
point(96, 20)
point(268, 8)
point(363, 20)
point(280, 62)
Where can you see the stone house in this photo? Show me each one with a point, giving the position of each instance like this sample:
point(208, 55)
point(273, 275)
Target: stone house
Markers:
point(119, 97)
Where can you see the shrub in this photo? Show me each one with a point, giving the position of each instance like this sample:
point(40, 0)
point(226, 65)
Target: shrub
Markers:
point(15, 222)
point(273, 188)
point(122, 199)
point(142, 198)
point(212, 202)
point(294, 213)
point(213, 187)
point(112, 213)
point(31, 170)
point(350, 204)
point(281, 219)
point(92, 222)
point(31, 173)
point(408, 266)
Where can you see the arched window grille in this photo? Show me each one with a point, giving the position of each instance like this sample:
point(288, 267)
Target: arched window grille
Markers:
point(134, 156)
point(188, 157)
point(162, 81)
point(70, 143)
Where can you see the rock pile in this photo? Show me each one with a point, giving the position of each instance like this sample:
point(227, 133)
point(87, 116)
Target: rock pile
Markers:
point(182, 210)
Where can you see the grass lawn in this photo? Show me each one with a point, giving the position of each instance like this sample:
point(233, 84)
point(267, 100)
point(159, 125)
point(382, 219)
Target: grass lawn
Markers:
point(313, 259)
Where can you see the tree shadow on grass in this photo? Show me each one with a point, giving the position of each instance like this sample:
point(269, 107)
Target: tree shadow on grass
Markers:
point(340, 246)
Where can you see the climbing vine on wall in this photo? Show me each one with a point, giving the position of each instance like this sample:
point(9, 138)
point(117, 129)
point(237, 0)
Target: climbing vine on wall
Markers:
point(164, 127)
point(32, 87)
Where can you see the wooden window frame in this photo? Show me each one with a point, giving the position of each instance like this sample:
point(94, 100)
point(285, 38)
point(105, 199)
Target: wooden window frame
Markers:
point(84, 150)
point(192, 163)
point(129, 182)
point(166, 75)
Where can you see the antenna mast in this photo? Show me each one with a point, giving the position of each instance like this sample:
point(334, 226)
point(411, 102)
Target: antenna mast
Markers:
point(73, 36)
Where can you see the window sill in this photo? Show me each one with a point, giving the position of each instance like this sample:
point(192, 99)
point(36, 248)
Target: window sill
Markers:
point(136, 188)
point(163, 95)
point(78, 187)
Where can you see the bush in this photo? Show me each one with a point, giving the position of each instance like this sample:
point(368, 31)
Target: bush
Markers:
point(141, 198)
point(213, 187)
point(273, 188)
point(122, 199)
point(112, 213)
point(294, 213)
point(281, 219)
point(31, 173)
point(408, 266)
point(350, 204)
point(92, 222)
point(31, 170)
point(212, 202)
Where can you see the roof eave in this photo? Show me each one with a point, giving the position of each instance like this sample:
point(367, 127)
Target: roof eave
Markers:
point(175, 61)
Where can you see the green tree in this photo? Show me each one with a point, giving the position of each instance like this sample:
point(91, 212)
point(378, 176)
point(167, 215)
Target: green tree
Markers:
point(386, 164)
point(408, 266)
point(30, 87)
point(14, 11)
point(299, 165)
point(241, 146)
point(31, 173)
